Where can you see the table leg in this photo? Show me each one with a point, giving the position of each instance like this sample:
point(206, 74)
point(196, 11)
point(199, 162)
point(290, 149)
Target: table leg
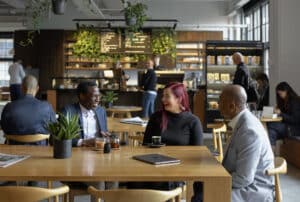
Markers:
point(217, 189)
point(128, 114)
point(189, 190)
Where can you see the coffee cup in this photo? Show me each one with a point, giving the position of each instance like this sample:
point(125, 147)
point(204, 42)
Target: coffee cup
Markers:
point(99, 143)
point(156, 140)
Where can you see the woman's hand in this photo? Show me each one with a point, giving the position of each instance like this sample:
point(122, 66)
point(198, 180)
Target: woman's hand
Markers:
point(277, 111)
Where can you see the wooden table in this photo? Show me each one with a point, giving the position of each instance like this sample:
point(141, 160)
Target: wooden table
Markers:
point(114, 125)
point(124, 110)
point(264, 121)
point(197, 164)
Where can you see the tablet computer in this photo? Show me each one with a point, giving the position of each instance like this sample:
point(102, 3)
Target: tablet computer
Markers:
point(156, 159)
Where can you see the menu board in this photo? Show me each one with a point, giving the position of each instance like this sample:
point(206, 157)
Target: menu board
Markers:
point(140, 43)
point(111, 42)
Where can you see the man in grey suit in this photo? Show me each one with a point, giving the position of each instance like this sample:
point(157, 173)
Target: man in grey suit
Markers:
point(248, 154)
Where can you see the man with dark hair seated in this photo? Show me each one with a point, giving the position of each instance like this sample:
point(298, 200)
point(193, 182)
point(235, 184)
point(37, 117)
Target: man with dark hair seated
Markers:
point(27, 115)
point(92, 121)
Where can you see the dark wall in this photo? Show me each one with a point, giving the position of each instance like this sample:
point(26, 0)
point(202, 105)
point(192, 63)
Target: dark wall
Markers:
point(46, 54)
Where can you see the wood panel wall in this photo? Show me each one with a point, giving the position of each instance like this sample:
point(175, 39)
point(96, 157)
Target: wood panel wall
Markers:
point(196, 36)
point(46, 54)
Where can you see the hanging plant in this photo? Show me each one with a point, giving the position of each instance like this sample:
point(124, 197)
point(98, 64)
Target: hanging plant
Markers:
point(87, 43)
point(163, 42)
point(135, 15)
point(36, 11)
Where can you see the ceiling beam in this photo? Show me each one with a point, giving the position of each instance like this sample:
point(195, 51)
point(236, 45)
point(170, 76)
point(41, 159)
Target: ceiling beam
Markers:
point(15, 3)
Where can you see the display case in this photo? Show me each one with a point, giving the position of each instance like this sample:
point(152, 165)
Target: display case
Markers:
point(220, 68)
point(190, 58)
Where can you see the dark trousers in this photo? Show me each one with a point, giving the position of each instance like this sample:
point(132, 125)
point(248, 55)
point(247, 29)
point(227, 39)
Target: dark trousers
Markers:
point(15, 91)
point(276, 130)
point(198, 192)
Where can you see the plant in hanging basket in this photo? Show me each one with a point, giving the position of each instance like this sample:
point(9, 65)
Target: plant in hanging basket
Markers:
point(135, 15)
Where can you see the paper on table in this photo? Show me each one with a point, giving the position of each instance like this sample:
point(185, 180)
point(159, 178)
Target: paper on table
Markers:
point(135, 120)
point(268, 112)
point(10, 159)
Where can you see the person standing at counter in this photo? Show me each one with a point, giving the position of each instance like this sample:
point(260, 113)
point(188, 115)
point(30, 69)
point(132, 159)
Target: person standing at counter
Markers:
point(148, 83)
point(242, 77)
point(288, 107)
point(16, 73)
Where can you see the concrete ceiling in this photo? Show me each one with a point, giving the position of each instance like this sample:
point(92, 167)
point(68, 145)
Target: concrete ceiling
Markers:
point(186, 11)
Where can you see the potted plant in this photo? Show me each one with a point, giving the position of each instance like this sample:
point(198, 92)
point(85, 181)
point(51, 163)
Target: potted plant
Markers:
point(163, 42)
point(109, 98)
point(135, 15)
point(58, 6)
point(63, 131)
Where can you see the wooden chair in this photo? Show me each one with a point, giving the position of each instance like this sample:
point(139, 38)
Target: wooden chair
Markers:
point(217, 130)
point(135, 195)
point(29, 194)
point(280, 168)
point(30, 138)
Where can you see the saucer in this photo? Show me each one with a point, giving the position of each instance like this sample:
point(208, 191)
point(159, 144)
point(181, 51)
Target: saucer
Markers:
point(156, 145)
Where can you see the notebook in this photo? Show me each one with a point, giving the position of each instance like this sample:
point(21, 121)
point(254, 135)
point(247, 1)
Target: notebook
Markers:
point(156, 159)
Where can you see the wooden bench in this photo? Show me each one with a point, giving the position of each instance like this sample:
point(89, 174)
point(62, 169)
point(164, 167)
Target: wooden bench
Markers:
point(290, 150)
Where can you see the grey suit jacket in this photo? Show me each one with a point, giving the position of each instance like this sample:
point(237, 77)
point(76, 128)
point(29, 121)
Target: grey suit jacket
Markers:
point(248, 156)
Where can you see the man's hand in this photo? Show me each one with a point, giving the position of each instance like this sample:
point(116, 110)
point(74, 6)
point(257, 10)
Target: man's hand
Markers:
point(277, 111)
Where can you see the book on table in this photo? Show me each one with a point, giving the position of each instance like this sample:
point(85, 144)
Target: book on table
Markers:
point(156, 159)
point(135, 120)
point(10, 159)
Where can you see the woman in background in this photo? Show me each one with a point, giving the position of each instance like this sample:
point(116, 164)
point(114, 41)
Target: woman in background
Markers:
point(263, 91)
point(288, 107)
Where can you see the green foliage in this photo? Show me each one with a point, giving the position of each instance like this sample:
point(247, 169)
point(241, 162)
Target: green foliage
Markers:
point(36, 11)
point(109, 97)
point(163, 42)
point(137, 11)
point(65, 128)
point(87, 43)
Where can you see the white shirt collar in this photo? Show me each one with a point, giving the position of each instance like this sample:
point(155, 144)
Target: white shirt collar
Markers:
point(235, 119)
point(85, 110)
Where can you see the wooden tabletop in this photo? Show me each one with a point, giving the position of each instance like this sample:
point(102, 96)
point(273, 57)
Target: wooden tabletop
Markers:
point(124, 109)
point(277, 119)
point(114, 125)
point(197, 164)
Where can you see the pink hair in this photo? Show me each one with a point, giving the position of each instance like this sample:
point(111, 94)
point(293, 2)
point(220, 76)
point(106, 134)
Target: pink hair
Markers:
point(179, 91)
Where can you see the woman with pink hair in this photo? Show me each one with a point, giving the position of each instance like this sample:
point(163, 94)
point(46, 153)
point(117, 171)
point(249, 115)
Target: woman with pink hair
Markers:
point(174, 122)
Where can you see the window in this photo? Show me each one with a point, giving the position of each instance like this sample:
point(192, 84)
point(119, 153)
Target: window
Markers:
point(265, 23)
point(249, 23)
point(256, 25)
point(6, 57)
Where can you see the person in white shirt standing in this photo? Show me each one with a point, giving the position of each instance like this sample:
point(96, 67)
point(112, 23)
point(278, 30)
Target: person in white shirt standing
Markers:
point(16, 73)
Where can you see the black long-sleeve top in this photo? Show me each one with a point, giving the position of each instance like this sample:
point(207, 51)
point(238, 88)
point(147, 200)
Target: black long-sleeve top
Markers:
point(291, 116)
point(149, 80)
point(241, 76)
point(182, 129)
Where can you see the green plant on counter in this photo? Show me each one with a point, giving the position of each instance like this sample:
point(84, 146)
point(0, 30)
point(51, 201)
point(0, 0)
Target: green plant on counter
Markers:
point(87, 43)
point(36, 11)
point(109, 97)
point(163, 42)
point(135, 15)
point(65, 128)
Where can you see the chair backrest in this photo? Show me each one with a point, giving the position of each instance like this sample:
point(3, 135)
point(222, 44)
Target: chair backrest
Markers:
point(136, 139)
point(280, 167)
point(217, 135)
point(29, 194)
point(135, 195)
point(30, 138)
